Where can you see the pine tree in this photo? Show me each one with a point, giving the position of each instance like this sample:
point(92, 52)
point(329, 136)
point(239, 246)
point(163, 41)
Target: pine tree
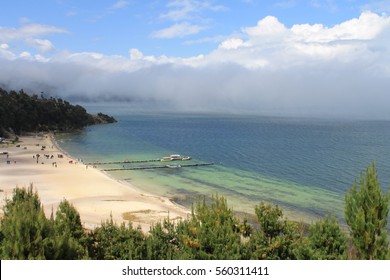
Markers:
point(163, 242)
point(112, 242)
point(68, 219)
point(26, 233)
point(277, 238)
point(25, 229)
point(69, 233)
point(326, 241)
point(366, 211)
point(212, 232)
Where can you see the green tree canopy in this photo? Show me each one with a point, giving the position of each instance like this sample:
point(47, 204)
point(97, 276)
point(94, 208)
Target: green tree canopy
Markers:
point(28, 234)
point(277, 238)
point(21, 112)
point(113, 242)
point(366, 211)
point(212, 232)
point(25, 229)
point(69, 236)
point(326, 241)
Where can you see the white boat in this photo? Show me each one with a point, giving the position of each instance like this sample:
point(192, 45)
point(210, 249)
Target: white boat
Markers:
point(176, 157)
point(186, 158)
point(173, 166)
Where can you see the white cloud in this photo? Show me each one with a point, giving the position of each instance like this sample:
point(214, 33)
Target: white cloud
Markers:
point(177, 30)
point(181, 10)
point(29, 34)
point(27, 31)
point(270, 43)
point(5, 53)
point(187, 9)
point(188, 18)
point(120, 4)
point(136, 54)
point(4, 46)
point(366, 27)
point(266, 68)
point(233, 43)
point(41, 58)
point(89, 56)
point(41, 44)
point(25, 55)
point(268, 26)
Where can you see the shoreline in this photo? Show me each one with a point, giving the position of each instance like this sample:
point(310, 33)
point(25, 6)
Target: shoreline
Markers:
point(96, 195)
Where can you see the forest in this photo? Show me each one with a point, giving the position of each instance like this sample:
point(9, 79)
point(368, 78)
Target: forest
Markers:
point(21, 112)
point(211, 232)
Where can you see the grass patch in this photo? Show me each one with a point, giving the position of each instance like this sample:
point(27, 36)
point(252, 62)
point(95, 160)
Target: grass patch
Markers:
point(133, 217)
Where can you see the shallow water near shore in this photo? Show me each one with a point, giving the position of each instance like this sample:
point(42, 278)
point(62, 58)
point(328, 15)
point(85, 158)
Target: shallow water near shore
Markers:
point(304, 165)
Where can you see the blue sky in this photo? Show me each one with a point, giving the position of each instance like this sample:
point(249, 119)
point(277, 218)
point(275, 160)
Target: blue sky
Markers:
point(113, 27)
point(292, 57)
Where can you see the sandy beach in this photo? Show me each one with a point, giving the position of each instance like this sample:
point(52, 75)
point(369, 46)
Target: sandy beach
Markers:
point(96, 196)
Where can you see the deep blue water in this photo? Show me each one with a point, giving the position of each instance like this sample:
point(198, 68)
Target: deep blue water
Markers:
point(303, 164)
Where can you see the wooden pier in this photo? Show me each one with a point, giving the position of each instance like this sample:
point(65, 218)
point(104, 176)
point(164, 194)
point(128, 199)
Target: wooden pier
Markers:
point(136, 161)
point(123, 162)
point(159, 167)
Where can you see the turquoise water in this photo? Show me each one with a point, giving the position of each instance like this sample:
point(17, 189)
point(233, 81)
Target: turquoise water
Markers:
point(304, 165)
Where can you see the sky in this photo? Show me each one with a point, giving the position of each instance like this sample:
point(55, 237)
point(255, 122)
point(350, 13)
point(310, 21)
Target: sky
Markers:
point(287, 57)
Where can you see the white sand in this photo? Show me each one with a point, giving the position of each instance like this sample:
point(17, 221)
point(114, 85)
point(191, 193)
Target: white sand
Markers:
point(94, 194)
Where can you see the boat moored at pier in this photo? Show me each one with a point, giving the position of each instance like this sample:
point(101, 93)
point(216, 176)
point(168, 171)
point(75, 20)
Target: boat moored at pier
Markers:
point(173, 166)
point(175, 157)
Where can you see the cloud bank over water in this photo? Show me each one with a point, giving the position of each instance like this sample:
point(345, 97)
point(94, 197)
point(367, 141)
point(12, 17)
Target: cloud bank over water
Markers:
point(341, 70)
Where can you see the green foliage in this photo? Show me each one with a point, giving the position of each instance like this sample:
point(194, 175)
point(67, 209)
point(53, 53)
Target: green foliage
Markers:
point(69, 235)
point(212, 232)
point(21, 112)
point(28, 234)
point(68, 220)
point(112, 242)
point(103, 118)
point(277, 238)
point(326, 241)
point(25, 229)
point(163, 242)
point(366, 211)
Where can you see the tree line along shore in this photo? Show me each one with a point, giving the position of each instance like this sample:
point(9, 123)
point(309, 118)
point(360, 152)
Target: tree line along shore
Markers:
point(21, 113)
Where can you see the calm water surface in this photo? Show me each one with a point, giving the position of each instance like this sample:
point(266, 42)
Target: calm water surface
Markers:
point(304, 165)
